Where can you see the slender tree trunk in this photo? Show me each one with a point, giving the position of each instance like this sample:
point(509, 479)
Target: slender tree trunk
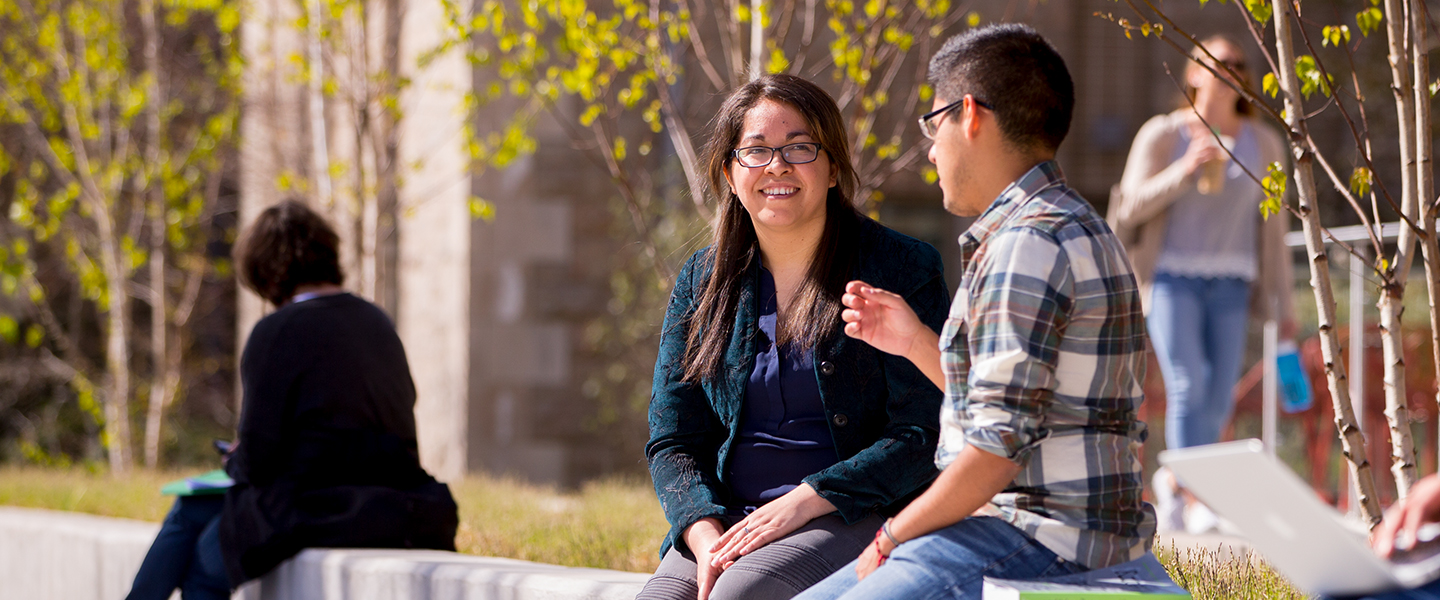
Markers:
point(680, 138)
point(1392, 295)
point(1425, 178)
point(159, 348)
point(319, 134)
point(757, 40)
point(117, 362)
point(366, 103)
point(1352, 440)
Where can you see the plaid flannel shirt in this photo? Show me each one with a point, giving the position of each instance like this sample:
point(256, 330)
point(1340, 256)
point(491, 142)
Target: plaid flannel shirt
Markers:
point(1044, 357)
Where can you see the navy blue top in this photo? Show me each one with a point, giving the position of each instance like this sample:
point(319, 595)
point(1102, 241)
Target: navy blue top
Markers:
point(784, 436)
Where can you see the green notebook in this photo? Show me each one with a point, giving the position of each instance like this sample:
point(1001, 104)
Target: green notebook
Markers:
point(1140, 579)
point(213, 482)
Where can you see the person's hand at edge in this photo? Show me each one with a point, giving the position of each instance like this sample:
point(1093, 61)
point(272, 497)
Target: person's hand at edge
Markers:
point(776, 519)
point(870, 559)
point(1404, 519)
point(700, 536)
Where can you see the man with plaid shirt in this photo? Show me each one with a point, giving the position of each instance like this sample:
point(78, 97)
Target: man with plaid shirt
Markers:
point(1042, 356)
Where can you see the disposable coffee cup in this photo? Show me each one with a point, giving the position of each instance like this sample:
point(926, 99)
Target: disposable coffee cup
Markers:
point(1212, 174)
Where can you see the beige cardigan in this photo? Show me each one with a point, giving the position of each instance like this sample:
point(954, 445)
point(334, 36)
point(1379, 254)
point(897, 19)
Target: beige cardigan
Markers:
point(1140, 207)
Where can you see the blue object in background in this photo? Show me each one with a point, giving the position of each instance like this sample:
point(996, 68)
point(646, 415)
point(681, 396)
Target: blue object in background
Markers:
point(1295, 395)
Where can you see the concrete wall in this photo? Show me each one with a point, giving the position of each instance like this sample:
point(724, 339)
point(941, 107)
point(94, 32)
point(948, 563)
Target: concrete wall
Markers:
point(51, 555)
point(433, 308)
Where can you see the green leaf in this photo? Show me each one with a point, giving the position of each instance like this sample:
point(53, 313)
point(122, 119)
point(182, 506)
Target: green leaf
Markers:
point(1334, 35)
point(1311, 79)
point(34, 335)
point(9, 330)
point(1274, 184)
point(1260, 10)
point(1369, 20)
point(778, 62)
point(1360, 181)
point(482, 209)
point(973, 19)
point(1270, 85)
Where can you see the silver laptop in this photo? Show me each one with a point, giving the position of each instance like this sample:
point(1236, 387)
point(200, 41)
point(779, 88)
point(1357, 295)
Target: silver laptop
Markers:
point(1302, 537)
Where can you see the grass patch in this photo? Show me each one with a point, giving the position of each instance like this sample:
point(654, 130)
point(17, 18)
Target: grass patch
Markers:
point(136, 496)
point(608, 524)
point(1211, 575)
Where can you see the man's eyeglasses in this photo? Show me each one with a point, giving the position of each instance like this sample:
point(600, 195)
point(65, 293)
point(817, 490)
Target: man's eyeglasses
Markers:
point(929, 124)
point(755, 157)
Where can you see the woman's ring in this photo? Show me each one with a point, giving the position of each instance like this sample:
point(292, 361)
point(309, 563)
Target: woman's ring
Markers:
point(745, 529)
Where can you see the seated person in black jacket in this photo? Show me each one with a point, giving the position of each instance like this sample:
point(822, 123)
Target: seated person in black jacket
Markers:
point(327, 453)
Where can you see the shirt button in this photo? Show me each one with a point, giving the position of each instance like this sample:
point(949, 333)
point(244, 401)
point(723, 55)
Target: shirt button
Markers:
point(840, 420)
point(827, 367)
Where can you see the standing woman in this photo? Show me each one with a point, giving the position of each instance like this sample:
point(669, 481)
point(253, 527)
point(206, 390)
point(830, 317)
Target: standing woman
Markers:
point(1203, 255)
point(776, 440)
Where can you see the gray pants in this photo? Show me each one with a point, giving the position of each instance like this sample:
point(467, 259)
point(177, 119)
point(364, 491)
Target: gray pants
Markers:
point(777, 571)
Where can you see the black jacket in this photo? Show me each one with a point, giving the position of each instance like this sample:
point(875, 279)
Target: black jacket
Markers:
point(327, 454)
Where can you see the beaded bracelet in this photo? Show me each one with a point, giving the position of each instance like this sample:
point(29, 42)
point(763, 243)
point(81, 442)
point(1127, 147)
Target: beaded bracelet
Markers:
point(883, 556)
point(885, 527)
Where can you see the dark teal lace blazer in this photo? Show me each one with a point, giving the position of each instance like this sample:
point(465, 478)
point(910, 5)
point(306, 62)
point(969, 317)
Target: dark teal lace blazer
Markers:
point(883, 413)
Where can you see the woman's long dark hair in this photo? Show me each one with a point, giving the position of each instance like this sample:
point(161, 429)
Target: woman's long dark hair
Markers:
point(814, 311)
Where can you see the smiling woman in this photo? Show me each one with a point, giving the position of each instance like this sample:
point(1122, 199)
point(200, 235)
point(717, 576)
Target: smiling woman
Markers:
point(775, 441)
point(779, 180)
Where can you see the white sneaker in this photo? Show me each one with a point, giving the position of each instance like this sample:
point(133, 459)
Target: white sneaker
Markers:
point(1200, 519)
point(1169, 509)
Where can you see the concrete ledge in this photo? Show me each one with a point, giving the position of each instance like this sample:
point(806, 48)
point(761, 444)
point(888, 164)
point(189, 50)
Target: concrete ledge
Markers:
point(52, 555)
point(47, 554)
point(338, 574)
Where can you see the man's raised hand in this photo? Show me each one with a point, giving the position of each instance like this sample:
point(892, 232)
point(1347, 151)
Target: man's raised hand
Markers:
point(884, 320)
point(880, 318)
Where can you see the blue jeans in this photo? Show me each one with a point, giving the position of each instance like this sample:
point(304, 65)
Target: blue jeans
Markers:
point(1197, 326)
point(950, 563)
point(185, 554)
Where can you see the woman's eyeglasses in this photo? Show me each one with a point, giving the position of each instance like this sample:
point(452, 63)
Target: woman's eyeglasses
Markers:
point(755, 157)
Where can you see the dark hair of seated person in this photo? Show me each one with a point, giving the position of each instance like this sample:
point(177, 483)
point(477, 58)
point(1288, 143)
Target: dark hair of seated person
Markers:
point(287, 247)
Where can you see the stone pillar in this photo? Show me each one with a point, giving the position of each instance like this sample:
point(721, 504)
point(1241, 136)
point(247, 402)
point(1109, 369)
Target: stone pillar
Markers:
point(272, 130)
point(432, 312)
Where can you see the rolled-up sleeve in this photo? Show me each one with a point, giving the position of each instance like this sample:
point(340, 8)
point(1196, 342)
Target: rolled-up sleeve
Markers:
point(1016, 320)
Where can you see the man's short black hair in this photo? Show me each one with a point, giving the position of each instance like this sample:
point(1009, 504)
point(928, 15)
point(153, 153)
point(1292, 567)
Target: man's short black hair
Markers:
point(1012, 68)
